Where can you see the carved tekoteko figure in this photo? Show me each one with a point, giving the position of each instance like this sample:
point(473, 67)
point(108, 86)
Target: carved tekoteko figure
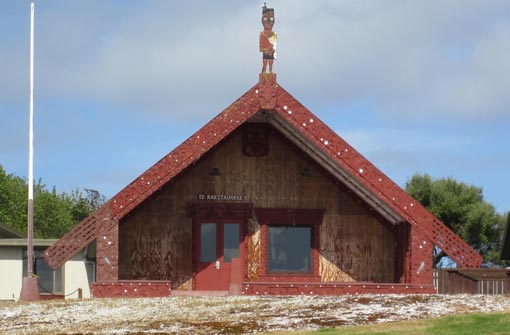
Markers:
point(268, 39)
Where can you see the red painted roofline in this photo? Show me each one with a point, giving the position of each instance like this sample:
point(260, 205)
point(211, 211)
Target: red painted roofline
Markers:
point(267, 95)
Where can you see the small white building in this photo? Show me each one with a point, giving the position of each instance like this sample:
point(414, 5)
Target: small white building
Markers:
point(71, 281)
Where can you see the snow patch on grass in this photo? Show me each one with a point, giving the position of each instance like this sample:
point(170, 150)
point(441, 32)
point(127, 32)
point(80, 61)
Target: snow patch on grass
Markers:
point(231, 315)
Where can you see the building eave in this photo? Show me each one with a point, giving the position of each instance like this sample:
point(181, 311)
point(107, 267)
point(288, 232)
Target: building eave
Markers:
point(9, 232)
point(303, 128)
point(22, 242)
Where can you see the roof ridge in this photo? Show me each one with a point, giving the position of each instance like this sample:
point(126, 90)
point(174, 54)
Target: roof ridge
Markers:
point(268, 95)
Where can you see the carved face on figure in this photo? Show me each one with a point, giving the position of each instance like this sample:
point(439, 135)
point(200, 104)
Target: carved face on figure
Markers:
point(268, 20)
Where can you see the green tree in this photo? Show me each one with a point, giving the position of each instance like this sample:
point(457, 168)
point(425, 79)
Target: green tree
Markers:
point(463, 209)
point(83, 205)
point(54, 213)
point(13, 201)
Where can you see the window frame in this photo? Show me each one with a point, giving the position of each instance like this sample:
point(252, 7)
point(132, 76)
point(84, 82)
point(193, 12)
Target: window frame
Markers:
point(267, 217)
point(55, 274)
point(290, 272)
point(91, 275)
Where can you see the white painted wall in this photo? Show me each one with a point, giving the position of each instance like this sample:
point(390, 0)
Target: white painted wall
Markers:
point(75, 277)
point(11, 273)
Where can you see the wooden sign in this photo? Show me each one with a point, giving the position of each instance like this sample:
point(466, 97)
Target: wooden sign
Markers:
point(221, 197)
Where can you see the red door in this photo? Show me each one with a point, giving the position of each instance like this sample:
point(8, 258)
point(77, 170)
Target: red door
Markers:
point(218, 244)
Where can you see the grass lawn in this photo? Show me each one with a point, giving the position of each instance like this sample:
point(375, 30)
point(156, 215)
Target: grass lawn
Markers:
point(474, 324)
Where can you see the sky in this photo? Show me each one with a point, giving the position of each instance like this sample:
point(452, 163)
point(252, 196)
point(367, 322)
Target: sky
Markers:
point(414, 86)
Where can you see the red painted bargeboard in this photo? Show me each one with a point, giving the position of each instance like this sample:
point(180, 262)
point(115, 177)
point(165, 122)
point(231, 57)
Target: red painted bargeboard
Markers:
point(132, 288)
point(294, 288)
point(163, 289)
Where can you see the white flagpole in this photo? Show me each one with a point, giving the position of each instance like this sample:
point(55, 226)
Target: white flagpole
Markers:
point(30, 286)
point(31, 151)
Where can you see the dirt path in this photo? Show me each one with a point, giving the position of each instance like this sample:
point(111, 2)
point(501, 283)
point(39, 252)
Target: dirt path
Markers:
point(230, 315)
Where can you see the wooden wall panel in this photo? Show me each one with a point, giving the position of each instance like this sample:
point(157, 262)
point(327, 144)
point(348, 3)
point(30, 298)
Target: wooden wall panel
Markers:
point(156, 242)
point(253, 251)
point(157, 238)
point(357, 246)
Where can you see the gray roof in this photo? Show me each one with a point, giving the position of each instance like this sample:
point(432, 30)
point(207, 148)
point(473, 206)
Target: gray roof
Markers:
point(8, 232)
point(22, 242)
point(10, 237)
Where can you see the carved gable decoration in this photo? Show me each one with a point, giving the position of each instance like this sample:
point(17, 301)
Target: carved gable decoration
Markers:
point(255, 139)
point(268, 102)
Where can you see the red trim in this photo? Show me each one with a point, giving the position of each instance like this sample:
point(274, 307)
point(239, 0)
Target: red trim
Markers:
point(424, 228)
point(47, 296)
point(424, 225)
point(289, 278)
point(402, 234)
point(131, 288)
point(285, 216)
point(289, 288)
point(155, 177)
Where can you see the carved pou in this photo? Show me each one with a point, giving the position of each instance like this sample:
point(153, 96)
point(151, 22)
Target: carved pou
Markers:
point(268, 39)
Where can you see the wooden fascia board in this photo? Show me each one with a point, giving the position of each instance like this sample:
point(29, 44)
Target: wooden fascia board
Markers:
point(185, 154)
point(336, 170)
point(77, 238)
point(332, 145)
point(154, 178)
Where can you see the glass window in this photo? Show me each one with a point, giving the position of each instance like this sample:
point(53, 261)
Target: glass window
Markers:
point(90, 266)
point(45, 274)
point(49, 280)
point(207, 242)
point(230, 241)
point(57, 281)
point(289, 249)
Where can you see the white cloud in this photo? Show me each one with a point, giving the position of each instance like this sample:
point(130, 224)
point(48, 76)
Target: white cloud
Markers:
point(415, 59)
point(400, 139)
point(155, 58)
point(403, 152)
point(479, 88)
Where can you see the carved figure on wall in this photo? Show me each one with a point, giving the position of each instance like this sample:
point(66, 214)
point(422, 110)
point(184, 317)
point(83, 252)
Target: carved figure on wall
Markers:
point(268, 39)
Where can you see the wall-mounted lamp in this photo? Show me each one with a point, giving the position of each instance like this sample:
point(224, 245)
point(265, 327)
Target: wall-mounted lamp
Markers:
point(215, 172)
point(306, 173)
